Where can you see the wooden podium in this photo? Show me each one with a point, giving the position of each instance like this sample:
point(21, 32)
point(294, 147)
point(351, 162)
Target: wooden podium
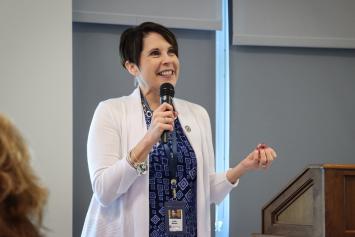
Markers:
point(320, 202)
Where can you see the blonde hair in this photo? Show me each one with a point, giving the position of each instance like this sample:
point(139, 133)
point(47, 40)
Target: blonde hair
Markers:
point(22, 198)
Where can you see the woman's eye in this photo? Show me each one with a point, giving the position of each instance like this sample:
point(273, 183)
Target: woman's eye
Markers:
point(172, 51)
point(155, 53)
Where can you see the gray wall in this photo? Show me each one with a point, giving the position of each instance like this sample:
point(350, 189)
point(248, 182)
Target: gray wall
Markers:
point(183, 14)
point(304, 23)
point(36, 93)
point(98, 75)
point(302, 102)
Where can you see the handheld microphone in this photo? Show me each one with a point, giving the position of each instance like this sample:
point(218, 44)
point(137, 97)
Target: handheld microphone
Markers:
point(166, 95)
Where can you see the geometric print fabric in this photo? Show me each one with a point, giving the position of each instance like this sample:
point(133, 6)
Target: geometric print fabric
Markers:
point(159, 181)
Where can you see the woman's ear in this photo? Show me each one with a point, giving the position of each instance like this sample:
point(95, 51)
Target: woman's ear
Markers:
point(132, 68)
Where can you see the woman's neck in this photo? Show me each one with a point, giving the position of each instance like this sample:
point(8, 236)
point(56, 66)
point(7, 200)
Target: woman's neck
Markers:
point(152, 98)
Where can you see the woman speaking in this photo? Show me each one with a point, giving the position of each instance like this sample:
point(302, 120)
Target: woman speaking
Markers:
point(148, 186)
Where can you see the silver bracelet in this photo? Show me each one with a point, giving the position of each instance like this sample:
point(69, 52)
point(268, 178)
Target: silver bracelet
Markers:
point(140, 167)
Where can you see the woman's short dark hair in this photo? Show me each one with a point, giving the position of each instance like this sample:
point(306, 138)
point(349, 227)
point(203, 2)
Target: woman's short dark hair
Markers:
point(131, 42)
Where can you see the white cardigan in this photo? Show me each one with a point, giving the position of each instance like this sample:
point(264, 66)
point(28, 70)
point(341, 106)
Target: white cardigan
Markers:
point(120, 204)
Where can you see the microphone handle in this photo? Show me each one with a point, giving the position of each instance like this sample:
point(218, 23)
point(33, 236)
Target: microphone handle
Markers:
point(164, 137)
point(169, 100)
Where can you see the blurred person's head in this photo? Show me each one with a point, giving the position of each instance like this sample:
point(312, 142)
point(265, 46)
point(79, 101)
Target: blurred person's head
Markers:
point(22, 198)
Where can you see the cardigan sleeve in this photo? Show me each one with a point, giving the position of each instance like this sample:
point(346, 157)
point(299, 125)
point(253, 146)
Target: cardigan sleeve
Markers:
point(110, 173)
point(219, 184)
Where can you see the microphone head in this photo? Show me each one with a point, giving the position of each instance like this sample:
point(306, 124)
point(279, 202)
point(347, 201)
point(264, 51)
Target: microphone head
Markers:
point(167, 89)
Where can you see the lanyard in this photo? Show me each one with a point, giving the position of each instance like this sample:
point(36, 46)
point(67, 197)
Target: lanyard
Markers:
point(170, 153)
point(172, 162)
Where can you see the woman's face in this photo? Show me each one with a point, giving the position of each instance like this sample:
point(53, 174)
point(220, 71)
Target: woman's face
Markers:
point(158, 64)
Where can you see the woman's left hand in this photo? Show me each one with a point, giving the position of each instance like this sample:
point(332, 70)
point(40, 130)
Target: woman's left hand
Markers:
point(260, 158)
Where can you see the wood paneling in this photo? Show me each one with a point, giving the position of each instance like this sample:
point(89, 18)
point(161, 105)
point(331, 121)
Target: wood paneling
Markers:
point(320, 202)
point(340, 202)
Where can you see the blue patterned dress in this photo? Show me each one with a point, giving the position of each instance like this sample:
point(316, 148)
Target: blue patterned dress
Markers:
point(159, 182)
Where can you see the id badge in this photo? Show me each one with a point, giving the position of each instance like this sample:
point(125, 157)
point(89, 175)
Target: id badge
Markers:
point(175, 219)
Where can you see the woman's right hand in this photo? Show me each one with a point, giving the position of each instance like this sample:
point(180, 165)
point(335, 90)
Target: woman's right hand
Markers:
point(162, 119)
